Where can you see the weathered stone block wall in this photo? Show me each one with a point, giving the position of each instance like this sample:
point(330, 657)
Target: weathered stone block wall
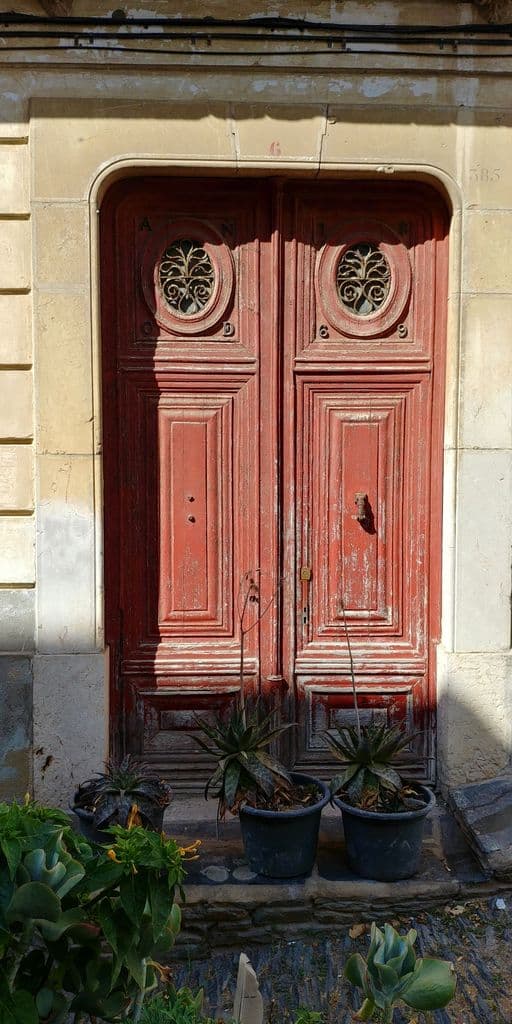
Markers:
point(474, 663)
point(70, 125)
point(17, 523)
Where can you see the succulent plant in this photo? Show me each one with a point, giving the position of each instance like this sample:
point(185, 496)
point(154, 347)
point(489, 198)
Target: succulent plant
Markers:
point(392, 974)
point(80, 929)
point(127, 791)
point(244, 769)
point(369, 780)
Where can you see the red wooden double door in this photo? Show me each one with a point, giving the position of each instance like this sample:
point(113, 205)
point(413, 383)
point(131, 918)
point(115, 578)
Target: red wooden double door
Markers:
point(273, 365)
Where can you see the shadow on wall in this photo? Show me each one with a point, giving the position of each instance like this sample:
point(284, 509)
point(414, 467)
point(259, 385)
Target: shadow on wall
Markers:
point(478, 747)
point(278, 102)
point(15, 726)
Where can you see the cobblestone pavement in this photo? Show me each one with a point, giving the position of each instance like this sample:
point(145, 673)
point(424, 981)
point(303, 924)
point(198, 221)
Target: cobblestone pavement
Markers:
point(476, 936)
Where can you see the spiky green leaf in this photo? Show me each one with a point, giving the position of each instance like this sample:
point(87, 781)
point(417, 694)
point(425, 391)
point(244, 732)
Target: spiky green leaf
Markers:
point(262, 776)
point(275, 766)
point(231, 782)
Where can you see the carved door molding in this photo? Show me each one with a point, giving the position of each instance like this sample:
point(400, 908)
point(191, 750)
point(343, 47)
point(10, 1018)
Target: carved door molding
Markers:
point(273, 394)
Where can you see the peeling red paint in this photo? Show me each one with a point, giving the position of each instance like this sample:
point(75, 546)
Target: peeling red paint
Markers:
point(226, 449)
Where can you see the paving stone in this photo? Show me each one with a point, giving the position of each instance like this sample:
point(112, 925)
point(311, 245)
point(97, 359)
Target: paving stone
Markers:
point(215, 873)
point(244, 874)
point(298, 970)
point(341, 916)
point(224, 936)
point(484, 812)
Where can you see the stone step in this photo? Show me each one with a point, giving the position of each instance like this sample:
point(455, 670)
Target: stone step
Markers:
point(229, 907)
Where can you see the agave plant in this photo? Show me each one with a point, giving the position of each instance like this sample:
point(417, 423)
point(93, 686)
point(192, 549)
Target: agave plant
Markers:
point(369, 780)
point(127, 792)
point(392, 974)
point(245, 770)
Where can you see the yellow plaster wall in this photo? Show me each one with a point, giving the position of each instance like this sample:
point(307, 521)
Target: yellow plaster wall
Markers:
point(17, 523)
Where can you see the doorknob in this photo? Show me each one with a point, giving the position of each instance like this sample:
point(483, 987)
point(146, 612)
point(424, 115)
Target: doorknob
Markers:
point(361, 503)
point(364, 512)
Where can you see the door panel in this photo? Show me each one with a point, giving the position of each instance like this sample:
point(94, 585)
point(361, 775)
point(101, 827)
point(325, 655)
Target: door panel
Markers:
point(327, 703)
point(182, 323)
point(273, 364)
point(189, 451)
point(362, 457)
point(355, 462)
point(195, 446)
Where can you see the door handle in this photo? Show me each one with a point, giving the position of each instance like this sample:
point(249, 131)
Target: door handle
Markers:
point(364, 512)
point(361, 503)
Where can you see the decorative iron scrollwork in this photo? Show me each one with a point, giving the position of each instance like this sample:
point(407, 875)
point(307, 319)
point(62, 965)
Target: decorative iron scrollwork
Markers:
point(187, 276)
point(363, 279)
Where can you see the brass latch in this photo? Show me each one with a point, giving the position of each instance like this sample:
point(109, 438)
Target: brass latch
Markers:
point(305, 578)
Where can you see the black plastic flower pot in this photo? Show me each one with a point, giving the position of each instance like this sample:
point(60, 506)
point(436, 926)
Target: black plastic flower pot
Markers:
point(385, 847)
point(98, 835)
point(282, 844)
point(88, 828)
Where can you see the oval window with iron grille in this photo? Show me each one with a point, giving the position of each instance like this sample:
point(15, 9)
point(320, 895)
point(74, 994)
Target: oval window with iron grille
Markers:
point(188, 277)
point(363, 279)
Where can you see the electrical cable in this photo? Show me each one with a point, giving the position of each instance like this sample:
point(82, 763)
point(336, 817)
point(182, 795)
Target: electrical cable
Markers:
point(252, 53)
point(116, 35)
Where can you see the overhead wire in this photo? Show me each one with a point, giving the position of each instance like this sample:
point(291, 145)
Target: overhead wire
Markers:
point(304, 37)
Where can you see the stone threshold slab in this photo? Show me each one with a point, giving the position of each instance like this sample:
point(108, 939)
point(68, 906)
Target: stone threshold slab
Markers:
point(240, 916)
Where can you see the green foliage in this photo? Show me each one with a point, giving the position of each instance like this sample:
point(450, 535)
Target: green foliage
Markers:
point(245, 769)
point(308, 1016)
point(112, 795)
point(392, 974)
point(369, 780)
point(137, 846)
point(80, 932)
point(176, 1006)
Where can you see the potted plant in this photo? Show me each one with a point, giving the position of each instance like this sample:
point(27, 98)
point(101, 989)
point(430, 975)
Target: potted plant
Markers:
point(126, 793)
point(383, 814)
point(279, 811)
